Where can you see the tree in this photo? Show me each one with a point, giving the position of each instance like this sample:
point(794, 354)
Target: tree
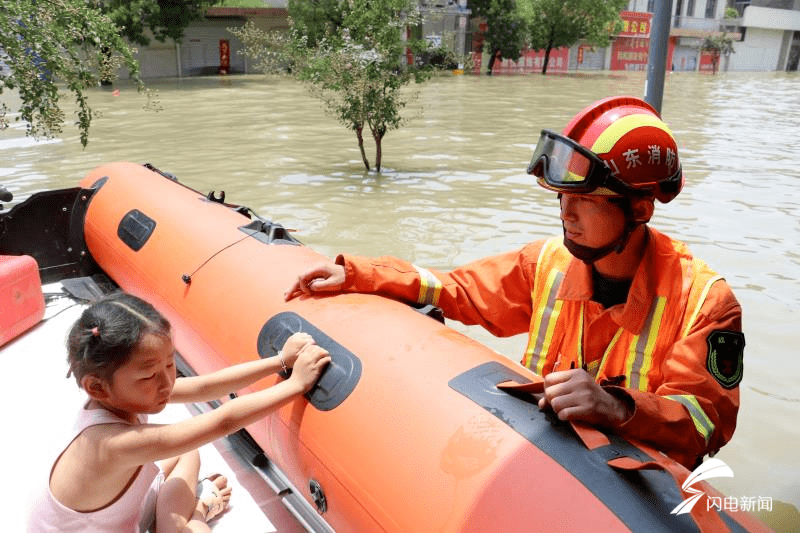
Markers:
point(557, 23)
point(45, 43)
point(717, 45)
point(165, 19)
point(269, 51)
point(505, 30)
point(356, 68)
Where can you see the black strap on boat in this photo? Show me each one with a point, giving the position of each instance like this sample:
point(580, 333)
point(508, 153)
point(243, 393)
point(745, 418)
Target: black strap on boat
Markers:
point(642, 499)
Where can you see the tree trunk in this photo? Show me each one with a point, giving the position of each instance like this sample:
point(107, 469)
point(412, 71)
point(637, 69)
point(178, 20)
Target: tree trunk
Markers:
point(547, 57)
point(361, 146)
point(547, 51)
point(378, 134)
point(495, 56)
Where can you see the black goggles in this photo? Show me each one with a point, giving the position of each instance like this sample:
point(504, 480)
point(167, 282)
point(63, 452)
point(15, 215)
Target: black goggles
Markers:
point(563, 165)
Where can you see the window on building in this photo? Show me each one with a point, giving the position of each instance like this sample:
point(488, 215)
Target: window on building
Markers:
point(678, 9)
point(651, 5)
point(740, 5)
point(711, 9)
point(690, 8)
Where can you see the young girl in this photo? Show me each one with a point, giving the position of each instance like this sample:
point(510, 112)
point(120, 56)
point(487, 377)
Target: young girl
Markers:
point(121, 353)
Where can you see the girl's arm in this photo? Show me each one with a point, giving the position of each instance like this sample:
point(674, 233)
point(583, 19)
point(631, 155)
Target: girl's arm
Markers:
point(217, 384)
point(143, 444)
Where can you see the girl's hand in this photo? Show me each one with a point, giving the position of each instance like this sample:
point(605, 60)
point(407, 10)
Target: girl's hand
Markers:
point(310, 363)
point(293, 345)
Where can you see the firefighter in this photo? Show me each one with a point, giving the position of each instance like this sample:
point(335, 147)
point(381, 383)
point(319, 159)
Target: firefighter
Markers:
point(630, 331)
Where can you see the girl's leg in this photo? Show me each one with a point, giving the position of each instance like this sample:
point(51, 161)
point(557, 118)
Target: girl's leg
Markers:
point(177, 508)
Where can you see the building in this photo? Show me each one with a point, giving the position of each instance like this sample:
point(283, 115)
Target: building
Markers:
point(770, 36)
point(765, 34)
point(208, 47)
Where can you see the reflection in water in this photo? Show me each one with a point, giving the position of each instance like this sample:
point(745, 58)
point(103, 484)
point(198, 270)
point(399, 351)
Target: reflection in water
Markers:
point(453, 189)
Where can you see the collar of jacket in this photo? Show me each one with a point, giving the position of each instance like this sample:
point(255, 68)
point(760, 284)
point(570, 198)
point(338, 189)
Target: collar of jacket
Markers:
point(656, 262)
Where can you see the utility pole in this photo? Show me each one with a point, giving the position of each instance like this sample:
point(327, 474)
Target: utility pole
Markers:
point(657, 54)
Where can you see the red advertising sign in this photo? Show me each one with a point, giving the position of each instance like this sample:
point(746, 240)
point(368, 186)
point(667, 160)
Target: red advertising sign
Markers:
point(635, 24)
point(632, 45)
point(628, 53)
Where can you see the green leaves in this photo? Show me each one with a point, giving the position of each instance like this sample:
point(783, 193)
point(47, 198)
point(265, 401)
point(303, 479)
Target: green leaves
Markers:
point(53, 43)
point(352, 57)
point(558, 23)
point(166, 19)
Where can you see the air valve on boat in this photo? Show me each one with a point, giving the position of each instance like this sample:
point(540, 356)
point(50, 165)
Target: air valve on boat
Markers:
point(318, 495)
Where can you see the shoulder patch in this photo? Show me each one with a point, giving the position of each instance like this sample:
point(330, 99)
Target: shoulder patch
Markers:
point(725, 357)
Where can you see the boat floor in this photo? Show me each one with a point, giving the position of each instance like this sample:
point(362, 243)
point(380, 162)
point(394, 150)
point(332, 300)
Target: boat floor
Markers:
point(41, 406)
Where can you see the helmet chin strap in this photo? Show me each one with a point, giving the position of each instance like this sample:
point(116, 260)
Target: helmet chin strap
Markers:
point(591, 255)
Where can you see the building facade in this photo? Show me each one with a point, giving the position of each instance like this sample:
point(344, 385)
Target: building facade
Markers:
point(765, 33)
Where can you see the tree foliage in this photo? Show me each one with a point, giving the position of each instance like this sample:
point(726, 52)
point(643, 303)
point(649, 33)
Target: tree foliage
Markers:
point(316, 20)
point(557, 23)
point(505, 29)
point(270, 52)
point(47, 43)
point(164, 18)
point(358, 68)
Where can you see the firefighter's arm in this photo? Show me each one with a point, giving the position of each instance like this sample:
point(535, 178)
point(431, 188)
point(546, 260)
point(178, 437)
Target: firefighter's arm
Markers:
point(494, 292)
point(693, 411)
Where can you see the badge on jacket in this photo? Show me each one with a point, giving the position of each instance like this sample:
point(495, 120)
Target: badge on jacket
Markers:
point(725, 357)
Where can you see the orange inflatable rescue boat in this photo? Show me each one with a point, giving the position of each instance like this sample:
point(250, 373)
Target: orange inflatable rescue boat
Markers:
point(407, 430)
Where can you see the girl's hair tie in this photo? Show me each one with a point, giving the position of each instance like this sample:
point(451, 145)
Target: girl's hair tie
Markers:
point(95, 332)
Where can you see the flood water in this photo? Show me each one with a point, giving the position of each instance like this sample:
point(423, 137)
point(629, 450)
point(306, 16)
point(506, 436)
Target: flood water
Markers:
point(454, 189)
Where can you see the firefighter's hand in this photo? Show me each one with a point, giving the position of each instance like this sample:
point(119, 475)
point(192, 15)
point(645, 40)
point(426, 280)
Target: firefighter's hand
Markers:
point(575, 395)
point(323, 277)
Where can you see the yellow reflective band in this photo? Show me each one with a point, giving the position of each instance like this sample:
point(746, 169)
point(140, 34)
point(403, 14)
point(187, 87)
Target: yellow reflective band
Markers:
point(701, 421)
point(606, 141)
point(610, 347)
point(640, 358)
point(544, 324)
point(551, 325)
point(430, 288)
point(699, 303)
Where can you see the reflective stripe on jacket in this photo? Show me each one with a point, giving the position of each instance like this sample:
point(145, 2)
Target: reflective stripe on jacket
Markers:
point(653, 348)
point(632, 359)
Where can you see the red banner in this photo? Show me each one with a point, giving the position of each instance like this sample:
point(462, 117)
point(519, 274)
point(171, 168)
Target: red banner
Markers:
point(629, 54)
point(529, 61)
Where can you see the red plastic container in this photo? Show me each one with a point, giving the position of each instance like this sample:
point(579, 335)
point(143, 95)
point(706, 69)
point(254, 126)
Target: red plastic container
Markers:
point(21, 299)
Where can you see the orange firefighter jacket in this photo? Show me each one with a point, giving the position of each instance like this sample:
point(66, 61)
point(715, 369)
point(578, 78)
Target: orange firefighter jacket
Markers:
point(673, 350)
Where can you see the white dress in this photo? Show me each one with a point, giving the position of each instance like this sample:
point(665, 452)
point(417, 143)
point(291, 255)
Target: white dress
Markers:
point(126, 514)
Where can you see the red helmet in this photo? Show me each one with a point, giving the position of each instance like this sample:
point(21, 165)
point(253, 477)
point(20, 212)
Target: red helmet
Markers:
point(625, 135)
